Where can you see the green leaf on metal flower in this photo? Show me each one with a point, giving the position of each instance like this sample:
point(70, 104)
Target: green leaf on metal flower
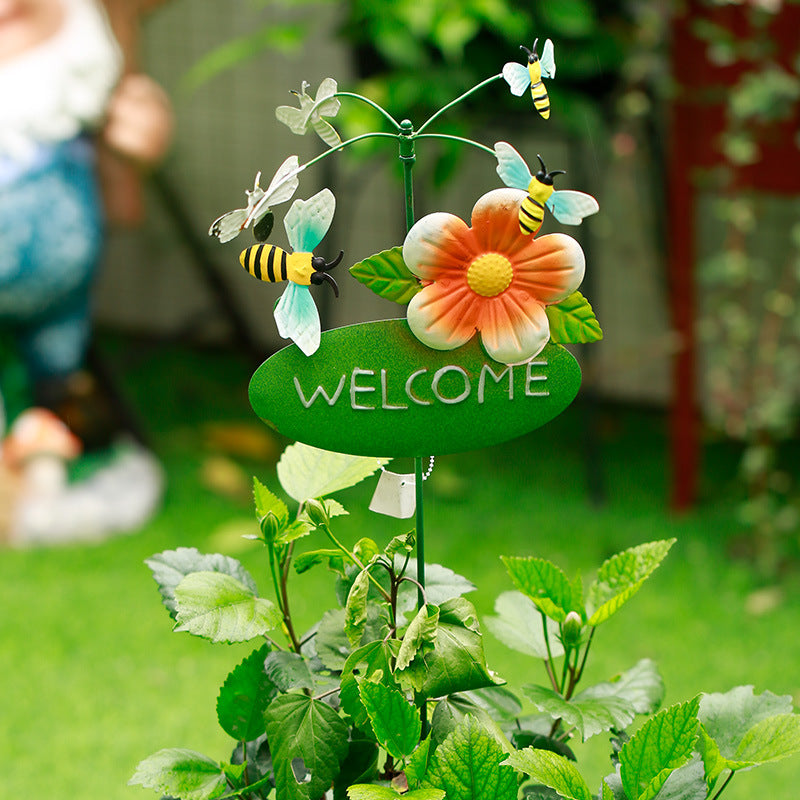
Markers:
point(740, 729)
point(589, 715)
point(395, 722)
point(220, 608)
point(172, 566)
point(572, 321)
point(421, 632)
point(518, 625)
point(181, 773)
point(664, 743)
point(621, 577)
point(307, 731)
point(552, 770)
point(305, 471)
point(457, 662)
point(545, 584)
point(387, 275)
point(244, 697)
point(266, 502)
point(467, 765)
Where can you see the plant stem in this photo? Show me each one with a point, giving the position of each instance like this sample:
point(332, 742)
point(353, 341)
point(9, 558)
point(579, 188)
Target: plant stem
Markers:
point(585, 654)
point(724, 785)
point(548, 662)
point(452, 138)
point(372, 103)
point(459, 99)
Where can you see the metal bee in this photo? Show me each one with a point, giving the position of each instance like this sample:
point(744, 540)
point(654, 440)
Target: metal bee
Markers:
point(257, 212)
point(567, 206)
point(306, 224)
point(519, 77)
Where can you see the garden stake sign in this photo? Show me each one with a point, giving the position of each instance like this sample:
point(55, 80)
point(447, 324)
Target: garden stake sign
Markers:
point(389, 695)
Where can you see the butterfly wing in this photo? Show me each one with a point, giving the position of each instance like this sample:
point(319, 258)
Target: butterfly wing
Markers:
point(295, 118)
point(517, 77)
point(548, 60)
point(570, 207)
point(511, 167)
point(228, 226)
point(297, 318)
point(326, 132)
point(307, 221)
point(325, 104)
point(281, 188)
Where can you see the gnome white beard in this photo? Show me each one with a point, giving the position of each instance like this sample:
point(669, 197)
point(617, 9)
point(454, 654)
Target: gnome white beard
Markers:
point(60, 87)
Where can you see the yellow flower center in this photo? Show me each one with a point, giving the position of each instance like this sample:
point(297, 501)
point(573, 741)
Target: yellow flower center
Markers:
point(489, 274)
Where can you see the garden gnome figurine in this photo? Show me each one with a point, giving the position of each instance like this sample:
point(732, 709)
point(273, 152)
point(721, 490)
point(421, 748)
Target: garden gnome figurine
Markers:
point(63, 90)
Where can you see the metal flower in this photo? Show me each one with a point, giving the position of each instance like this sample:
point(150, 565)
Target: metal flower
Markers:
point(488, 278)
point(312, 110)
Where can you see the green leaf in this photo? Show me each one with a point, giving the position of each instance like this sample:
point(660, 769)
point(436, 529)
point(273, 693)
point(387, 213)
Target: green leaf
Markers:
point(371, 661)
point(590, 715)
point(220, 608)
point(572, 321)
point(355, 610)
point(417, 763)
point(266, 502)
point(457, 662)
point(421, 631)
point(172, 566)
point(299, 727)
point(306, 472)
point(519, 623)
point(740, 729)
point(622, 576)
point(395, 721)
point(305, 561)
point(659, 747)
point(544, 583)
point(244, 697)
point(182, 774)
point(552, 770)
point(387, 275)
point(288, 671)
point(371, 791)
point(441, 584)
point(685, 783)
point(641, 686)
point(467, 766)
point(454, 709)
point(297, 530)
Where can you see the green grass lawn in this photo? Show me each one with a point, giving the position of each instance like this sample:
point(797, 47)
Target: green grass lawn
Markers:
point(92, 679)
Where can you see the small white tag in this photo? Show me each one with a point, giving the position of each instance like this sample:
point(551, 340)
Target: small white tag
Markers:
point(395, 495)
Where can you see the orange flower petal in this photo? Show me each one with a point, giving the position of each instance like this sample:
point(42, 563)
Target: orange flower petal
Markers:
point(550, 268)
point(514, 329)
point(442, 315)
point(439, 245)
point(495, 221)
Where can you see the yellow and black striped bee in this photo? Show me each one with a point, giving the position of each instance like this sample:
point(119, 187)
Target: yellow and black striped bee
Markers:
point(306, 224)
point(567, 206)
point(519, 78)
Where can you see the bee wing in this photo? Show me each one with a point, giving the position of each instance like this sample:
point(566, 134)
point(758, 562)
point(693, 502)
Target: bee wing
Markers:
point(511, 166)
point(295, 118)
point(548, 60)
point(570, 207)
point(517, 77)
point(297, 318)
point(307, 221)
point(229, 225)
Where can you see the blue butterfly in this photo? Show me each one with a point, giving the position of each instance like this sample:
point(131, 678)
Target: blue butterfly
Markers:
point(306, 223)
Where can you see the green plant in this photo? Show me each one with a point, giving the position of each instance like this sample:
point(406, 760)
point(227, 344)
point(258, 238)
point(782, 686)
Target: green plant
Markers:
point(388, 698)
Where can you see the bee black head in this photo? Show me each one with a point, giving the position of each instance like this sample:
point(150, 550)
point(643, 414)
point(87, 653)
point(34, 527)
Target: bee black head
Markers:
point(532, 57)
point(545, 177)
point(321, 267)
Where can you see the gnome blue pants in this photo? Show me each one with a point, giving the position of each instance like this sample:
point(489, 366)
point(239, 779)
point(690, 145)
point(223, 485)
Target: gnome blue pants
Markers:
point(51, 236)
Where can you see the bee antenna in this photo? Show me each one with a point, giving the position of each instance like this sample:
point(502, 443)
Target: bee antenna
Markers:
point(318, 277)
point(522, 47)
point(335, 263)
point(535, 42)
point(544, 168)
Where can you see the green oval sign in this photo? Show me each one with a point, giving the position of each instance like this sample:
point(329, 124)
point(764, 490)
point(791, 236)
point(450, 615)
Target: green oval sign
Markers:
point(374, 390)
